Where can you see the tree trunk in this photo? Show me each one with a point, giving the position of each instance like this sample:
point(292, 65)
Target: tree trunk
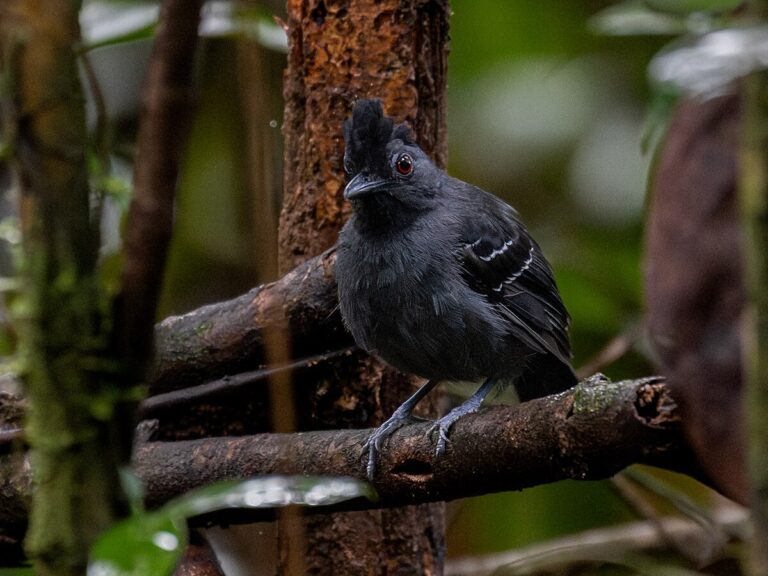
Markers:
point(754, 188)
point(76, 447)
point(394, 50)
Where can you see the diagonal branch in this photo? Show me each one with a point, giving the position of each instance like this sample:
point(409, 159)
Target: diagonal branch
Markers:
point(229, 337)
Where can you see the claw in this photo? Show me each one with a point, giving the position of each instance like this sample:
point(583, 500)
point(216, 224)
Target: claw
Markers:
point(399, 419)
point(375, 441)
point(443, 425)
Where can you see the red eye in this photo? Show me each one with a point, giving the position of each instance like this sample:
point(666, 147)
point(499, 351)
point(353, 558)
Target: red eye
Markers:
point(404, 164)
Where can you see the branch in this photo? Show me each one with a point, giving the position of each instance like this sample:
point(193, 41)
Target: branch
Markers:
point(229, 337)
point(587, 433)
point(166, 103)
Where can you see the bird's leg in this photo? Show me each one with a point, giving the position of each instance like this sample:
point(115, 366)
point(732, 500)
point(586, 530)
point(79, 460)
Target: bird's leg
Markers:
point(472, 404)
point(399, 418)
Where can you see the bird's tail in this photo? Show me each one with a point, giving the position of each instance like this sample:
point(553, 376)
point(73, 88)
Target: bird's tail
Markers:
point(544, 375)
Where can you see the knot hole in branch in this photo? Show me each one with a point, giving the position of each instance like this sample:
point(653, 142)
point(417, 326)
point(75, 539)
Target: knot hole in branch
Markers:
point(655, 405)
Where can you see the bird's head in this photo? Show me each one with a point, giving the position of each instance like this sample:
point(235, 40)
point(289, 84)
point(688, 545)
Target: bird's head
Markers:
point(383, 161)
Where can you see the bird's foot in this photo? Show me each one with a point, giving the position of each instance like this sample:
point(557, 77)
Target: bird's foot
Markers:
point(443, 426)
point(375, 441)
point(473, 403)
point(399, 418)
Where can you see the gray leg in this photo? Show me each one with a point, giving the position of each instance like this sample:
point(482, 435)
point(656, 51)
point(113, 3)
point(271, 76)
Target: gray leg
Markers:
point(399, 418)
point(472, 404)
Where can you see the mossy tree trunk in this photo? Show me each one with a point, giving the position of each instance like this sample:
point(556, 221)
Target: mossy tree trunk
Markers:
point(68, 378)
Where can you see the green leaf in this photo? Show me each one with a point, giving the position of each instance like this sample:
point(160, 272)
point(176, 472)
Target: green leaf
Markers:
point(657, 117)
point(151, 543)
point(144, 545)
point(706, 65)
point(270, 492)
point(634, 19)
point(690, 6)
point(109, 23)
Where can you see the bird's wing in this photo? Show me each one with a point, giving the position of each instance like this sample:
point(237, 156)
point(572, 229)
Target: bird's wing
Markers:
point(500, 260)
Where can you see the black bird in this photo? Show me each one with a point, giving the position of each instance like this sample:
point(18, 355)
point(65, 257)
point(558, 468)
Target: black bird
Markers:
point(441, 279)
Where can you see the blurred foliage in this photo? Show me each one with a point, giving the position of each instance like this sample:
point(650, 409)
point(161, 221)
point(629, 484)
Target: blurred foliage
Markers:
point(543, 111)
point(152, 543)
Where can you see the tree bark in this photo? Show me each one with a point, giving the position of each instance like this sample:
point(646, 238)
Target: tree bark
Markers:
point(166, 107)
point(80, 419)
point(397, 51)
point(754, 197)
point(74, 450)
point(340, 52)
point(587, 433)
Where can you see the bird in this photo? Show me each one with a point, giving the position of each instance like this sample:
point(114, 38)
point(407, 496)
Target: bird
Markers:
point(440, 279)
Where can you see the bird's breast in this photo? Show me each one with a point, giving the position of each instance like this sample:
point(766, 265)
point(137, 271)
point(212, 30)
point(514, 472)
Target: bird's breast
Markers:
point(413, 310)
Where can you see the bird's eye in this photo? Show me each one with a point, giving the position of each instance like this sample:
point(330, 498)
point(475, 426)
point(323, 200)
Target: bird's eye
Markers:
point(404, 164)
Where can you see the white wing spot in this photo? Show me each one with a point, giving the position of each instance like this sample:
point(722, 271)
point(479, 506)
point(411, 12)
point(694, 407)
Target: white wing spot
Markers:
point(524, 267)
point(498, 251)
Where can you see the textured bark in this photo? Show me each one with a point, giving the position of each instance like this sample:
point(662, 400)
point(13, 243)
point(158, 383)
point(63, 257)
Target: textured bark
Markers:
point(394, 50)
point(587, 433)
point(339, 52)
point(695, 286)
point(229, 337)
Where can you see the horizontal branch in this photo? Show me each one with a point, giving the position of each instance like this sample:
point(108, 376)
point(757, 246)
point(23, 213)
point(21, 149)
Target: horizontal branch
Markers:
point(587, 433)
point(229, 337)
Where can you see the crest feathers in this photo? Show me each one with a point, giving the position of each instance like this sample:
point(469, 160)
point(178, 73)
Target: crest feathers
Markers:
point(366, 135)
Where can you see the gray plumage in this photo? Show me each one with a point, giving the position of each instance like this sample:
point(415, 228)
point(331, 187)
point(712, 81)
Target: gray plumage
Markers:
point(440, 278)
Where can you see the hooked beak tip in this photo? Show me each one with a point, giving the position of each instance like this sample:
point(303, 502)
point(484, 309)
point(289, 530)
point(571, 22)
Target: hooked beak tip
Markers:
point(360, 186)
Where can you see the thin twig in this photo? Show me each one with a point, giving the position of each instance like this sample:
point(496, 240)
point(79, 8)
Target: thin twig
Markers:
point(611, 542)
point(154, 404)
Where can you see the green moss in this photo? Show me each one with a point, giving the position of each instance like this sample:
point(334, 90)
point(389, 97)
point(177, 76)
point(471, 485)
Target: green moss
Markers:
point(591, 398)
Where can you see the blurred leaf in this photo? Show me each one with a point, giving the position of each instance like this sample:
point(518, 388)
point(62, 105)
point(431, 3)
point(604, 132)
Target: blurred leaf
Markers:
point(706, 65)
point(150, 544)
point(690, 6)
point(633, 19)
point(17, 571)
point(110, 271)
point(108, 23)
point(222, 18)
point(662, 104)
point(144, 545)
point(10, 230)
point(270, 492)
point(132, 488)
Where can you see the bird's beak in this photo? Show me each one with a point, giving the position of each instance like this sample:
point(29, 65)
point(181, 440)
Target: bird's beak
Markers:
point(362, 185)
